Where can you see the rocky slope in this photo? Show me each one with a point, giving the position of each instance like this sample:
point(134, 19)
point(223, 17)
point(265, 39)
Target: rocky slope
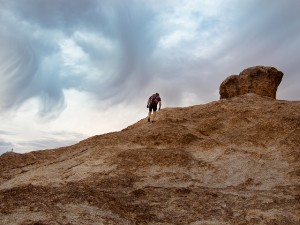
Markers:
point(232, 161)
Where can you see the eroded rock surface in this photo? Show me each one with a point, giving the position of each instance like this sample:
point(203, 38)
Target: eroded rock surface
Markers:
point(233, 161)
point(260, 80)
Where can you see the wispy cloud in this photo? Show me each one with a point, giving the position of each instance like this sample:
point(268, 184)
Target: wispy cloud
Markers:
point(5, 146)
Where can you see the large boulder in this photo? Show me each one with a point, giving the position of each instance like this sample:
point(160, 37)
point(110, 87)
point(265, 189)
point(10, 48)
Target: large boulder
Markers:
point(260, 80)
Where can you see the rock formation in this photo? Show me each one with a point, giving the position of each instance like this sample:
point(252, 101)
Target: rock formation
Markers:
point(230, 162)
point(260, 80)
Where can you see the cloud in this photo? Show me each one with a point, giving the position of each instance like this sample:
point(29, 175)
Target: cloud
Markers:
point(85, 55)
point(26, 73)
point(17, 70)
point(115, 49)
point(37, 140)
point(47, 140)
point(5, 146)
point(57, 14)
point(265, 34)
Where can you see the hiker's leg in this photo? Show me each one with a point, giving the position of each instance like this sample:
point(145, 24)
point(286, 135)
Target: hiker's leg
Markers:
point(154, 112)
point(149, 113)
point(154, 115)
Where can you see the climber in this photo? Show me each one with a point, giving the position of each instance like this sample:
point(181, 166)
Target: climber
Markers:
point(152, 105)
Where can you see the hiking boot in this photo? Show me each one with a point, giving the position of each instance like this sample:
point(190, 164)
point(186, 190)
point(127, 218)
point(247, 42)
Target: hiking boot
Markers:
point(148, 119)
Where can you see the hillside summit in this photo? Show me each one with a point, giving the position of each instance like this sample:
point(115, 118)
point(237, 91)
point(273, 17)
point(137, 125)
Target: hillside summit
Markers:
point(232, 161)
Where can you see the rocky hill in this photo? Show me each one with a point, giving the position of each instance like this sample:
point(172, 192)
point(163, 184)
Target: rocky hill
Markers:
point(232, 161)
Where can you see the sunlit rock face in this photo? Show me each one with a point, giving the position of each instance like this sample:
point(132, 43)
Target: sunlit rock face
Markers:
point(260, 80)
point(234, 161)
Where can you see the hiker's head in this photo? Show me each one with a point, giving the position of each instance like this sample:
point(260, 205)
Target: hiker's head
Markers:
point(157, 94)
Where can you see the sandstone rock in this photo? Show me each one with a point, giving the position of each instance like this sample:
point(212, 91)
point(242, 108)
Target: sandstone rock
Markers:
point(260, 80)
point(227, 162)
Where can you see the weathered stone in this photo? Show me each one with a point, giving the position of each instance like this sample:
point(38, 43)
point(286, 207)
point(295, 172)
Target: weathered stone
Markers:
point(260, 80)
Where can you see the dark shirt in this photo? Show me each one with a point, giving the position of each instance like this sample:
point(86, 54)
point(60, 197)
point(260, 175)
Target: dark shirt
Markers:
point(157, 100)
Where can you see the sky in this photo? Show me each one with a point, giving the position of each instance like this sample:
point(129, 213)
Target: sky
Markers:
point(70, 70)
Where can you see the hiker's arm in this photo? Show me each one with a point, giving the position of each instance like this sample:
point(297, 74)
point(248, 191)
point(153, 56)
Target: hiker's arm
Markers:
point(159, 104)
point(148, 102)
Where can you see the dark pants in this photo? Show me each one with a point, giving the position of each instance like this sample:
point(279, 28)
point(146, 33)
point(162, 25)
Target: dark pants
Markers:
point(153, 107)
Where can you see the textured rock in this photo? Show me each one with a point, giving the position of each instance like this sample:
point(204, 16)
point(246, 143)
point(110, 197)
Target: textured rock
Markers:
point(227, 162)
point(260, 80)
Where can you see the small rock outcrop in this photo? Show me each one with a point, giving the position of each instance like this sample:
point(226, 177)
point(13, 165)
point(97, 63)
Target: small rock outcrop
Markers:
point(260, 80)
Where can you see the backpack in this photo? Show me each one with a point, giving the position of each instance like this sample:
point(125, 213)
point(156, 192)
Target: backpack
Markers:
point(153, 99)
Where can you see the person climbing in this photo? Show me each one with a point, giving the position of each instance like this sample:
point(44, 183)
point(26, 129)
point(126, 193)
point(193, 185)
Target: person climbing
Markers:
point(152, 105)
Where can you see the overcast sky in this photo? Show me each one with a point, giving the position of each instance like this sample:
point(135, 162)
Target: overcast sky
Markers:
point(73, 69)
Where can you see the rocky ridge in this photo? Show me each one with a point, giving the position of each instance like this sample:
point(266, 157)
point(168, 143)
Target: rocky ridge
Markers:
point(232, 161)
